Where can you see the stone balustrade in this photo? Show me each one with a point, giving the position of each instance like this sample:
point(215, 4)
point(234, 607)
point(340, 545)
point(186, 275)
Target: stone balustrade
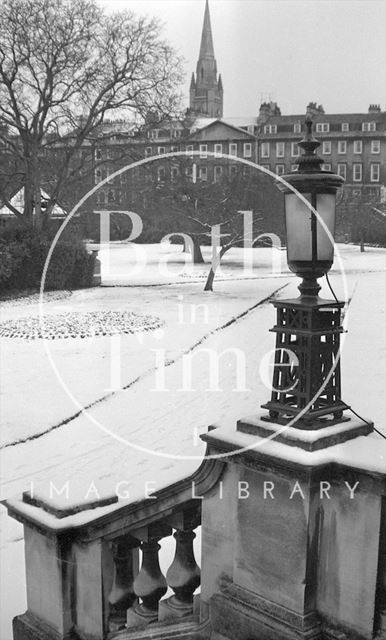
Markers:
point(293, 548)
point(95, 573)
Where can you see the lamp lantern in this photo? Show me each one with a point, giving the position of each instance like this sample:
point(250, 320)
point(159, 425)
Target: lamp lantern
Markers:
point(310, 246)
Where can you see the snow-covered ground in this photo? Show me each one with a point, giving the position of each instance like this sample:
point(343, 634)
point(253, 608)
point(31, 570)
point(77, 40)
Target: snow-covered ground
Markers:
point(148, 423)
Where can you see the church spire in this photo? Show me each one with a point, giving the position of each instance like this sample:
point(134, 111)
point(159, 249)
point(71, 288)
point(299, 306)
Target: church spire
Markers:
point(206, 91)
point(206, 48)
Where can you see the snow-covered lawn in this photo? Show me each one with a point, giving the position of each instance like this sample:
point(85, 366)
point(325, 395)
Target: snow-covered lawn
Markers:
point(149, 423)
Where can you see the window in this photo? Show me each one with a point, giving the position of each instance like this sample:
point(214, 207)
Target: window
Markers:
point(189, 172)
point(101, 197)
point(217, 173)
point(294, 149)
point(342, 170)
point(369, 126)
point(270, 128)
point(342, 146)
point(98, 154)
point(357, 172)
point(233, 149)
point(232, 170)
point(203, 150)
point(326, 147)
point(148, 152)
point(251, 128)
point(217, 150)
point(357, 146)
point(247, 150)
point(174, 173)
point(161, 150)
point(297, 127)
point(265, 150)
point(280, 168)
point(345, 126)
point(294, 167)
point(203, 173)
point(189, 149)
point(375, 172)
point(279, 149)
point(161, 174)
point(173, 149)
point(154, 133)
point(322, 127)
point(110, 196)
point(326, 166)
point(375, 146)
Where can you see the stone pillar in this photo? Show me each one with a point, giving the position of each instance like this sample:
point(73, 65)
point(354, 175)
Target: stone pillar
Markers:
point(49, 578)
point(297, 556)
point(380, 608)
point(97, 274)
point(92, 585)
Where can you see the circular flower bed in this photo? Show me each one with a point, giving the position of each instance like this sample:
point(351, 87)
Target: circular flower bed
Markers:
point(79, 325)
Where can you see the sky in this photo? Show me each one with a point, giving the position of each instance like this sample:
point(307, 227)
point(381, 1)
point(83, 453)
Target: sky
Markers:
point(332, 52)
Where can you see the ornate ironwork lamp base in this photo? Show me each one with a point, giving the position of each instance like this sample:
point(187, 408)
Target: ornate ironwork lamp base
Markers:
point(306, 389)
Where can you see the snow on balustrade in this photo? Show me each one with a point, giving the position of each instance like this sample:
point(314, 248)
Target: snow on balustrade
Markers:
point(84, 557)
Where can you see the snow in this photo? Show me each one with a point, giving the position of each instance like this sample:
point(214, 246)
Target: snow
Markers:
point(362, 453)
point(139, 433)
point(292, 433)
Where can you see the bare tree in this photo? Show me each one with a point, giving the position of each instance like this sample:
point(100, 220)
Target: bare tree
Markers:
point(362, 218)
point(203, 209)
point(65, 66)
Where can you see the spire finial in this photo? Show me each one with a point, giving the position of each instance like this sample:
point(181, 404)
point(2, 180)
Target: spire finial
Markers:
point(206, 48)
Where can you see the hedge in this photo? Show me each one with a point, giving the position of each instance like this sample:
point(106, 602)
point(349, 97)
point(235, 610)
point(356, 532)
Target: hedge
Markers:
point(22, 258)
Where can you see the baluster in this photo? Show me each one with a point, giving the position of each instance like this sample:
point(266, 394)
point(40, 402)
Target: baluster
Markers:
point(149, 585)
point(183, 577)
point(122, 596)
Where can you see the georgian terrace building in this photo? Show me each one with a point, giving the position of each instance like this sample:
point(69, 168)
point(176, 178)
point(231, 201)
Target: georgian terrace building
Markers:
point(352, 145)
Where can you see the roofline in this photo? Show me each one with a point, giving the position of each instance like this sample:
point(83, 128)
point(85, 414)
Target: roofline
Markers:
point(222, 121)
point(331, 115)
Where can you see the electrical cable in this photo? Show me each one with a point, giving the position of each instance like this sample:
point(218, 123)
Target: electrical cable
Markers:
point(331, 289)
point(346, 405)
point(366, 421)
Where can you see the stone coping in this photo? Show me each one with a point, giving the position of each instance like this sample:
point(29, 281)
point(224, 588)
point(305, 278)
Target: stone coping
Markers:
point(310, 440)
point(111, 513)
point(366, 454)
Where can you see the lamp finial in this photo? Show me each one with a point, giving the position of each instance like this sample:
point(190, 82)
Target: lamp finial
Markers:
point(309, 161)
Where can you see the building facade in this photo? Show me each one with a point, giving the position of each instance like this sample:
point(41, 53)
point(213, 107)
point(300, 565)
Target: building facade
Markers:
point(352, 145)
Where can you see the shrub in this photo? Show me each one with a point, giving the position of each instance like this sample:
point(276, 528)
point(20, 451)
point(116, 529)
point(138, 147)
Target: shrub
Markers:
point(12, 255)
point(22, 259)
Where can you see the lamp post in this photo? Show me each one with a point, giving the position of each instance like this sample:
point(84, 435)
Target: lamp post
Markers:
point(306, 390)
point(283, 556)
